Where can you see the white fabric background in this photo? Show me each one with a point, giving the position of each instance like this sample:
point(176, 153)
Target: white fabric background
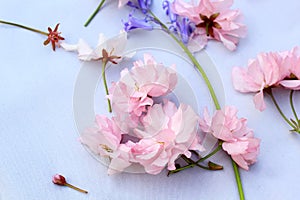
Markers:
point(38, 136)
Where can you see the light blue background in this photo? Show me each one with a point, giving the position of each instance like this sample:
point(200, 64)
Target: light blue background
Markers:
point(38, 136)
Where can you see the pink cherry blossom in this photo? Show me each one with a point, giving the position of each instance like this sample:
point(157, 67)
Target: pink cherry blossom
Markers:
point(105, 139)
point(120, 160)
point(184, 125)
point(244, 152)
point(168, 133)
point(127, 98)
point(154, 78)
point(150, 154)
point(132, 94)
point(128, 103)
point(263, 72)
point(214, 20)
point(238, 139)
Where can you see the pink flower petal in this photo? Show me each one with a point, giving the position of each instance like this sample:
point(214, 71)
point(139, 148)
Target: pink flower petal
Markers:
point(240, 161)
point(259, 101)
point(290, 84)
point(235, 148)
point(198, 40)
point(189, 10)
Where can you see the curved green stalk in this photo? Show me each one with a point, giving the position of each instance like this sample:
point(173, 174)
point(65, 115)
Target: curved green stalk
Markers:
point(200, 69)
point(192, 163)
point(94, 13)
point(105, 85)
point(180, 169)
point(296, 122)
point(219, 147)
point(238, 180)
point(279, 109)
point(293, 108)
point(24, 27)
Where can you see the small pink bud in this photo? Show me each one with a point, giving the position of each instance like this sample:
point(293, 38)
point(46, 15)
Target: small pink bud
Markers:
point(60, 180)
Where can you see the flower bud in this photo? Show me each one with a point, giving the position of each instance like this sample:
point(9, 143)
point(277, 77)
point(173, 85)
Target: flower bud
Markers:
point(59, 180)
point(214, 166)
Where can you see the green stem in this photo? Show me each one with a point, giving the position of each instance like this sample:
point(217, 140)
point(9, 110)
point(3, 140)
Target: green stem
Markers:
point(24, 27)
point(180, 169)
point(238, 180)
point(297, 122)
point(219, 147)
point(76, 188)
point(202, 72)
point(279, 109)
point(293, 108)
point(94, 13)
point(191, 162)
point(105, 84)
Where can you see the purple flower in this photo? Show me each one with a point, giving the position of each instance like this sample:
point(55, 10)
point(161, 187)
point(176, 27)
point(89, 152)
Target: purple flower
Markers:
point(144, 5)
point(134, 23)
point(180, 25)
point(183, 28)
point(167, 8)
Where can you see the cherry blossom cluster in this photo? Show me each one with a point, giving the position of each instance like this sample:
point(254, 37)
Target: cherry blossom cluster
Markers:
point(142, 130)
point(150, 130)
